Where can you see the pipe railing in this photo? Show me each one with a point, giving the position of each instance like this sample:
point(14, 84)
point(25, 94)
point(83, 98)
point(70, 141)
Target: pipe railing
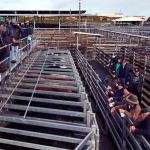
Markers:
point(20, 54)
point(121, 134)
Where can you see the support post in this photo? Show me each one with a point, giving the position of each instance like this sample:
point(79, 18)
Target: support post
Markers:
point(59, 24)
point(145, 63)
point(93, 137)
point(34, 22)
point(123, 147)
point(79, 13)
point(133, 58)
point(70, 20)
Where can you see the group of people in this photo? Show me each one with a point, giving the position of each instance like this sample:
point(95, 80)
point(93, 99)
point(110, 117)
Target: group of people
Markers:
point(11, 35)
point(124, 91)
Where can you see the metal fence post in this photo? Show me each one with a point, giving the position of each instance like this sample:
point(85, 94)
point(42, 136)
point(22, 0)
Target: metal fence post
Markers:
point(104, 60)
point(88, 121)
point(99, 50)
point(133, 59)
point(123, 147)
point(86, 73)
point(125, 51)
point(57, 45)
point(145, 63)
point(3, 92)
point(90, 86)
point(10, 61)
point(93, 137)
point(97, 89)
point(27, 47)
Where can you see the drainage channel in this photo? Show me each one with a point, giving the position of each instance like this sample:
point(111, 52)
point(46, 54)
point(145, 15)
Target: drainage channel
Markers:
point(45, 106)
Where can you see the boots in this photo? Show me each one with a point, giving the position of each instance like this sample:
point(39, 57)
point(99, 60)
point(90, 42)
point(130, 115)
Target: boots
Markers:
point(3, 66)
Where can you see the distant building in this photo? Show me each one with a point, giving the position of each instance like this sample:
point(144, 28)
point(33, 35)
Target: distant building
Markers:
point(129, 21)
point(110, 15)
point(141, 17)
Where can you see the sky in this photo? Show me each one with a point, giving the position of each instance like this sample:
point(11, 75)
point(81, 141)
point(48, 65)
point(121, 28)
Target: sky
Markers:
point(127, 7)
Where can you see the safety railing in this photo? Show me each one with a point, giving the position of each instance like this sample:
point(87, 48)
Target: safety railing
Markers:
point(114, 124)
point(135, 61)
point(20, 53)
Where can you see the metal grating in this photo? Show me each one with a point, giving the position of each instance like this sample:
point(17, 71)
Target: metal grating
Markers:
point(45, 106)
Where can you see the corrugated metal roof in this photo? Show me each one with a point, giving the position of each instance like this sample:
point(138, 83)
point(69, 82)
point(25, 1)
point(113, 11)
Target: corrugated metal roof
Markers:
point(130, 19)
point(40, 12)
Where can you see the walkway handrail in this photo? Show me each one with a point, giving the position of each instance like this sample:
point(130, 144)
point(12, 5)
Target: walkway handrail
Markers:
point(112, 123)
point(21, 56)
point(97, 90)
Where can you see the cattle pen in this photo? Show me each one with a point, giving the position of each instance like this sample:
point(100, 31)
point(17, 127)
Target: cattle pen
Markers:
point(46, 95)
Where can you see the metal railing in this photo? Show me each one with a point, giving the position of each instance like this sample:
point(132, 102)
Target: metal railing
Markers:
point(21, 55)
point(114, 124)
point(41, 61)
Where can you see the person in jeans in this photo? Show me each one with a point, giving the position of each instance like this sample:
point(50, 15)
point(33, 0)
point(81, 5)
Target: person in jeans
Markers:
point(30, 32)
point(137, 82)
point(24, 36)
point(16, 30)
point(6, 34)
point(3, 66)
point(123, 72)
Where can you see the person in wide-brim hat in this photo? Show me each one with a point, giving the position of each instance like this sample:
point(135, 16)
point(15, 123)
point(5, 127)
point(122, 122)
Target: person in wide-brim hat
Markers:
point(132, 99)
point(131, 109)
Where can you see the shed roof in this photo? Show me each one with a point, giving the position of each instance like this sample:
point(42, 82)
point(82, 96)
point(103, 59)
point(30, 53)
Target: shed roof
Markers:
point(130, 19)
point(58, 12)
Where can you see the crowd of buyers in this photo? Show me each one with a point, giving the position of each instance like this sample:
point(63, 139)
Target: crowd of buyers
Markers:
point(124, 91)
point(12, 36)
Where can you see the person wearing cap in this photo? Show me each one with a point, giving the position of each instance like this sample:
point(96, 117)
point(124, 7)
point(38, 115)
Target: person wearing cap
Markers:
point(24, 36)
point(123, 72)
point(137, 82)
point(30, 32)
point(121, 100)
point(1, 19)
point(6, 39)
point(3, 66)
point(1, 23)
point(113, 61)
point(16, 30)
point(111, 81)
point(131, 109)
point(119, 91)
point(142, 127)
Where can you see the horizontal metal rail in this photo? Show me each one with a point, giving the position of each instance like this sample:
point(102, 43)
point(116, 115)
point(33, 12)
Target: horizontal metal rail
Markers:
point(75, 89)
point(84, 141)
point(45, 124)
point(28, 145)
point(42, 135)
point(48, 72)
point(46, 80)
point(98, 92)
point(52, 101)
point(46, 110)
point(19, 90)
point(49, 76)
